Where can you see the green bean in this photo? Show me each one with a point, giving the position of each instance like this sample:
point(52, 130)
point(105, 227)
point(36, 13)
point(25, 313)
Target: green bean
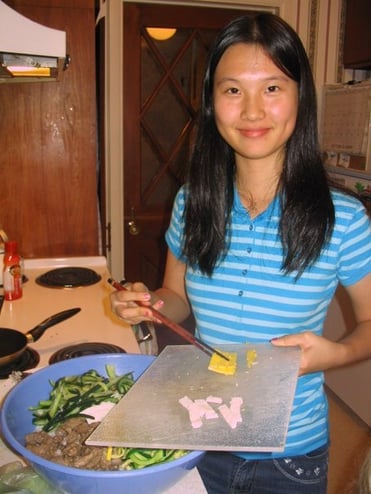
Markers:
point(133, 458)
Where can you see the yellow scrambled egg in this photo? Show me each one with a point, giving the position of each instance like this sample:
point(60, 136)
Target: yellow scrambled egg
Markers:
point(250, 358)
point(219, 364)
point(228, 367)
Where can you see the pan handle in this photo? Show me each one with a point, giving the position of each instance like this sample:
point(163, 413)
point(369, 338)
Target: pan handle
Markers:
point(36, 333)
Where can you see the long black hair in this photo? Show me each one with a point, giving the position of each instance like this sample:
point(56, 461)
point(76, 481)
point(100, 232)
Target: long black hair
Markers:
point(307, 209)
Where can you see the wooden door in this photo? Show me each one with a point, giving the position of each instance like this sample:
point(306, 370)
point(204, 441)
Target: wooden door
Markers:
point(162, 88)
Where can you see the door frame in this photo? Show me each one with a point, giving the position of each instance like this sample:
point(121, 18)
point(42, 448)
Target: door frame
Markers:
point(303, 15)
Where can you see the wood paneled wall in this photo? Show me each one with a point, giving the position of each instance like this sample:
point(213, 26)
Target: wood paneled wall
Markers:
point(48, 143)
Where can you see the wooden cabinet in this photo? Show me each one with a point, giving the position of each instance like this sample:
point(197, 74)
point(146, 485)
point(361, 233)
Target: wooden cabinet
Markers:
point(357, 40)
point(48, 142)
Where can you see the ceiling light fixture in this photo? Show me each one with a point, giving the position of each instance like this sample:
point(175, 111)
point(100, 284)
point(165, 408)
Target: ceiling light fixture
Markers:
point(161, 33)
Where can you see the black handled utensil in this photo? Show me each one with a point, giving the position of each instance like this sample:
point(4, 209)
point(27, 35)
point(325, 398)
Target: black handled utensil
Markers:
point(13, 343)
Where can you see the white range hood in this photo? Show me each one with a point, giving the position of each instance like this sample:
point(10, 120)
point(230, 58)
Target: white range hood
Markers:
point(28, 50)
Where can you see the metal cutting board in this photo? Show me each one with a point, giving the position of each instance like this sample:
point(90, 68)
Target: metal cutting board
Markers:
point(150, 416)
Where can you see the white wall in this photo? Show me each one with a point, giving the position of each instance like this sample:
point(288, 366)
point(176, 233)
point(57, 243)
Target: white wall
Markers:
point(351, 383)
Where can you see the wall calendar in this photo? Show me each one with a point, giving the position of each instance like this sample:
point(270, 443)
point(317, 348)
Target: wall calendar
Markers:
point(346, 125)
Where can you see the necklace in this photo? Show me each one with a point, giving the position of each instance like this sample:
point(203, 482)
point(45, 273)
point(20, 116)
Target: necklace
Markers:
point(252, 204)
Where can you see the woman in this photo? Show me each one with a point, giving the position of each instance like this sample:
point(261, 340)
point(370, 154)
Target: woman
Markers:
point(258, 242)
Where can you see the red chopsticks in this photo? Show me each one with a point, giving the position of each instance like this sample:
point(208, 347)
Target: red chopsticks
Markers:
point(186, 335)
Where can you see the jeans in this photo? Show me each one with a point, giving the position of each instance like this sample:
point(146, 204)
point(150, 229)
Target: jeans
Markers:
point(226, 473)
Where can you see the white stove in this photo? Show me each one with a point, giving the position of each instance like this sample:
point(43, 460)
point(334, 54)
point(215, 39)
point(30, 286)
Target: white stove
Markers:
point(95, 323)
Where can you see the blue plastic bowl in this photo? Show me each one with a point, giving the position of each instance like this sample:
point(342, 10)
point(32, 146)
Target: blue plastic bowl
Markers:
point(16, 422)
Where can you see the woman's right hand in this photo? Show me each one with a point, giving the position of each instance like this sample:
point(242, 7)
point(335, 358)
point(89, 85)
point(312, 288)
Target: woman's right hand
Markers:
point(124, 303)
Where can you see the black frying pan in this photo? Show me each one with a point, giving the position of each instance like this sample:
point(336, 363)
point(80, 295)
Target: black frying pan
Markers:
point(13, 343)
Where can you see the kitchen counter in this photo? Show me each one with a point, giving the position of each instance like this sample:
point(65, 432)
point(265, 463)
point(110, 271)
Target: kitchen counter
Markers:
point(94, 323)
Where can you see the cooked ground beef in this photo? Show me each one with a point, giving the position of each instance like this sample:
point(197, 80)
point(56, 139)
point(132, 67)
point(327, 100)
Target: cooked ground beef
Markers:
point(66, 446)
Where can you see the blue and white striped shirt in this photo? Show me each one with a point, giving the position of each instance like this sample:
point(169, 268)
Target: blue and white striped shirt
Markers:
point(250, 299)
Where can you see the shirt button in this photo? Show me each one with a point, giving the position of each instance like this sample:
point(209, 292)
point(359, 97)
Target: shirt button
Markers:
point(248, 250)
point(240, 293)
point(251, 227)
point(244, 272)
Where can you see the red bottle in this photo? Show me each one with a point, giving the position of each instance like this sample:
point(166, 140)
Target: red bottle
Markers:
point(12, 272)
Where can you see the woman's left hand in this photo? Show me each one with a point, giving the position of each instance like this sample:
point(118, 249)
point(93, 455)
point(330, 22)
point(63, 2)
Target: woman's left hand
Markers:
point(317, 353)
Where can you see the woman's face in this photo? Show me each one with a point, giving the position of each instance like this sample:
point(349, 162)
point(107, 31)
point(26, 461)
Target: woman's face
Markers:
point(255, 105)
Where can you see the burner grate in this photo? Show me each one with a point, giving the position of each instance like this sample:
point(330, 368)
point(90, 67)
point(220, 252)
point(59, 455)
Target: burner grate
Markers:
point(69, 277)
point(82, 349)
point(28, 360)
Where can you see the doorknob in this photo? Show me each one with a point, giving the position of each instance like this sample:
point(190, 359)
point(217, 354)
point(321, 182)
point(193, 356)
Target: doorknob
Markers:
point(133, 227)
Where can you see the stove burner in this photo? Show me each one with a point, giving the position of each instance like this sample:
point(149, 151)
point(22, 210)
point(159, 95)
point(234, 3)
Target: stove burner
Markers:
point(69, 277)
point(28, 360)
point(82, 349)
